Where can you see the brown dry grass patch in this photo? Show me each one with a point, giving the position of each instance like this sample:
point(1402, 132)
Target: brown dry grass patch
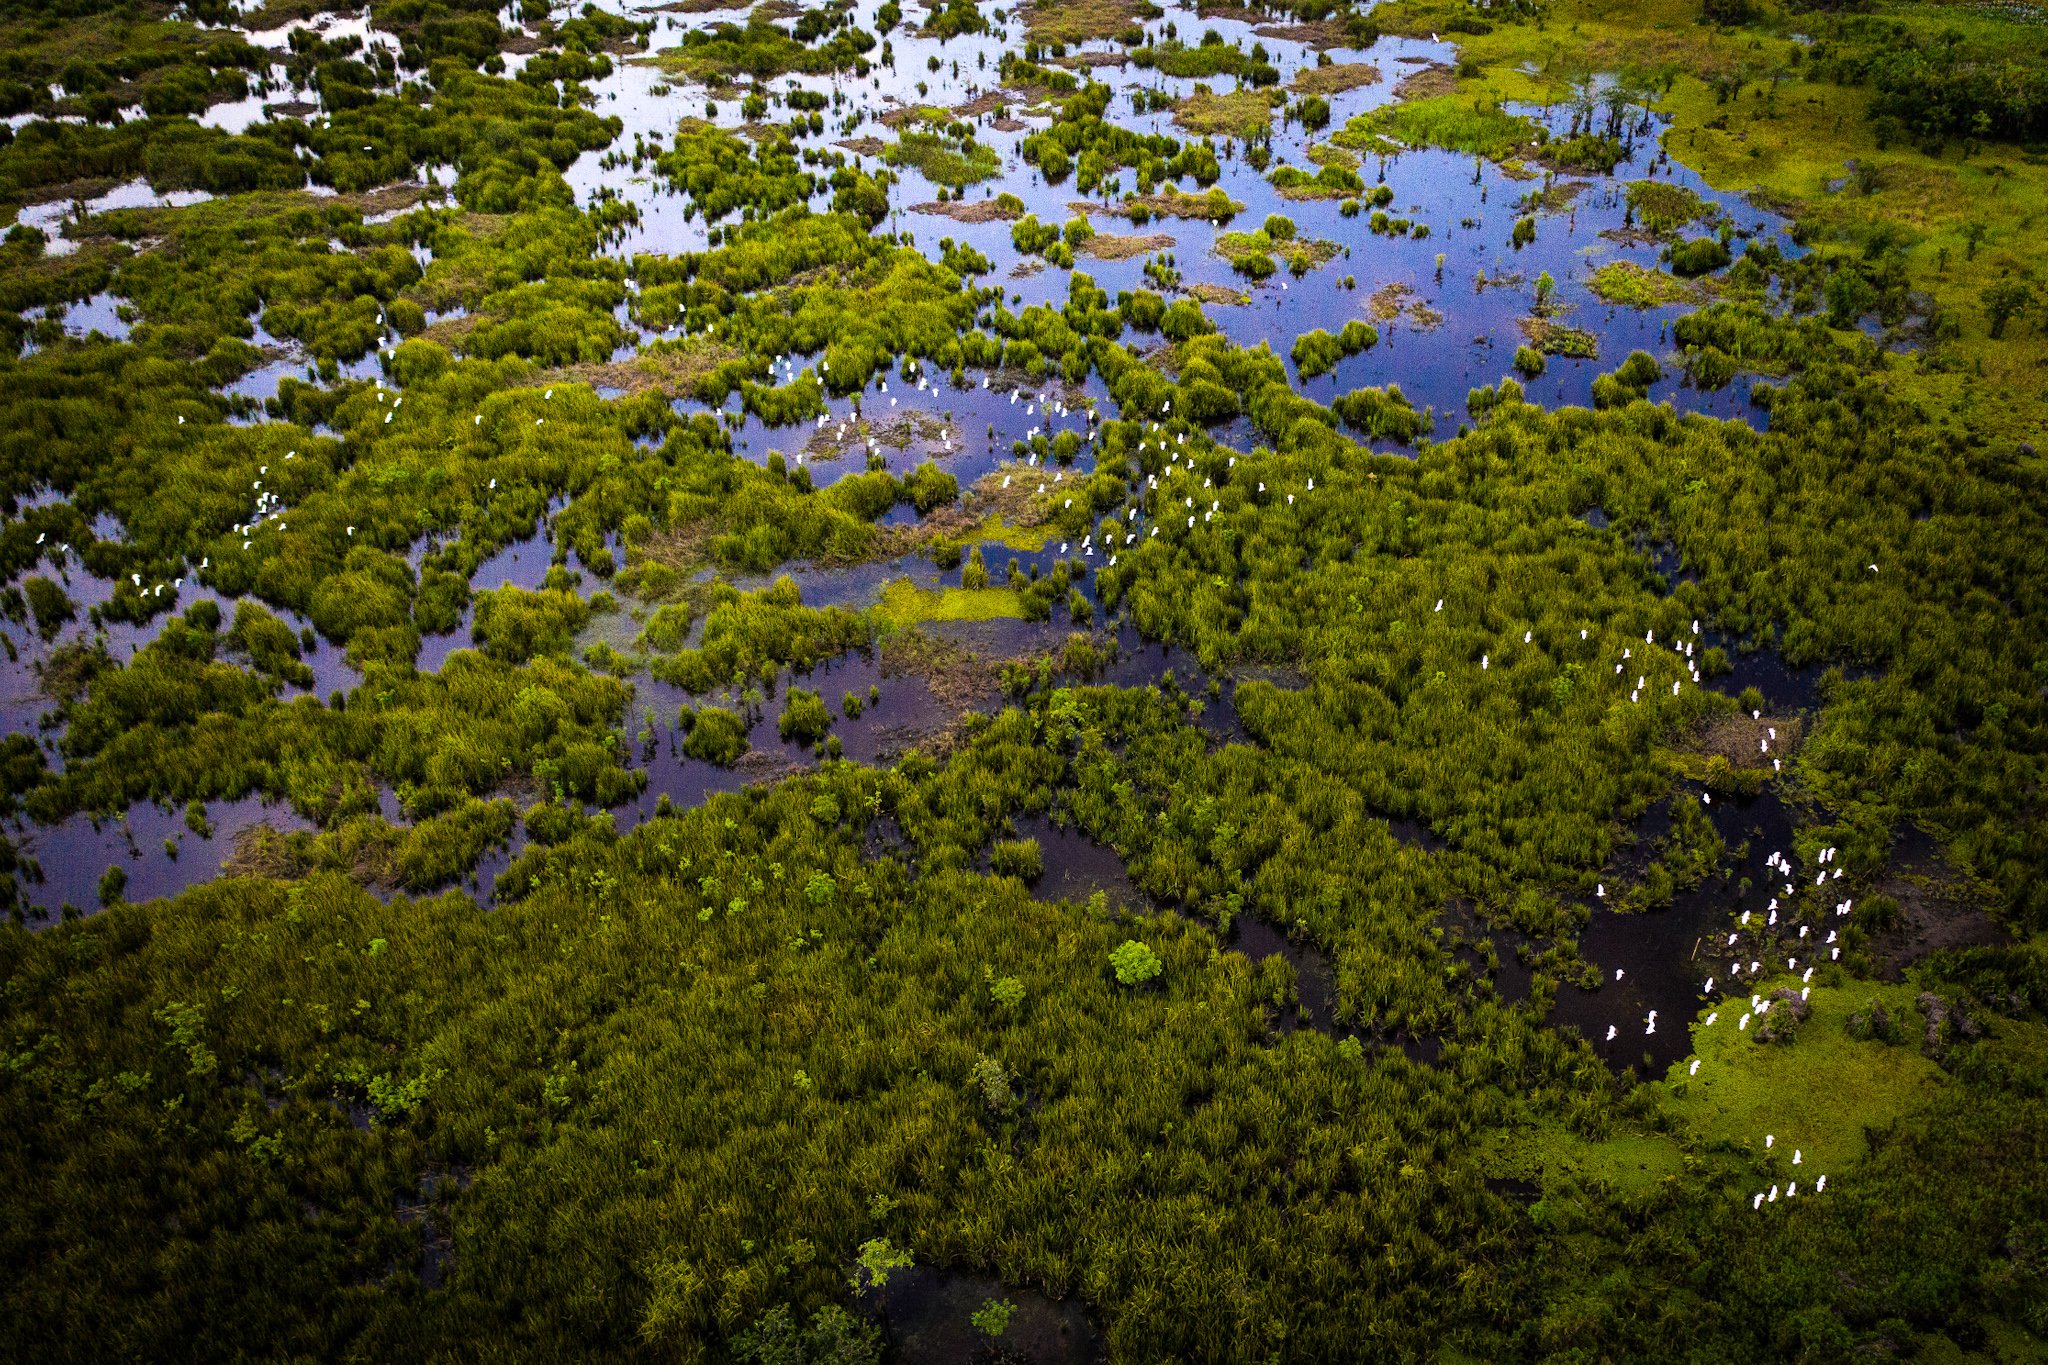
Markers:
point(1334, 80)
point(1171, 202)
point(1739, 739)
point(985, 103)
point(1018, 505)
point(670, 370)
point(264, 851)
point(1089, 61)
point(449, 332)
point(1431, 81)
point(1077, 21)
point(1318, 34)
point(1390, 302)
point(1219, 294)
point(1241, 114)
point(909, 430)
point(968, 211)
point(956, 675)
point(1107, 246)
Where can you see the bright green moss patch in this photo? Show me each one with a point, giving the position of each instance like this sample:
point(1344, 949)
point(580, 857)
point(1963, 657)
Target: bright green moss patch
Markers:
point(904, 603)
point(1817, 1093)
point(1448, 121)
point(999, 531)
point(1630, 1164)
point(1633, 286)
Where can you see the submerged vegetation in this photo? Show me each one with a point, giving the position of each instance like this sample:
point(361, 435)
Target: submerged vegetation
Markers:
point(730, 769)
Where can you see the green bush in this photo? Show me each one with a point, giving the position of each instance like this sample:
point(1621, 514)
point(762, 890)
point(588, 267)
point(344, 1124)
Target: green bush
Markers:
point(1135, 963)
point(805, 718)
point(716, 735)
point(1018, 858)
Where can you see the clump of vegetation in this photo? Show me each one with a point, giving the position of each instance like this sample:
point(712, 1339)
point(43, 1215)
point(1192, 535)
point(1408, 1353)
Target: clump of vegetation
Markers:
point(1018, 858)
point(953, 161)
point(1243, 114)
point(1134, 963)
point(714, 734)
point(805, 718)
point(1696, 256)
point(759, 50)
point(1381, 413)
point(1629, 382)
point(1332, 181)
point(1632, 286)
point(1662, 208)
point(1210, 58)
point(1251, 253)
point(1550, 337)
point(1445, 121)
point(1317, 352)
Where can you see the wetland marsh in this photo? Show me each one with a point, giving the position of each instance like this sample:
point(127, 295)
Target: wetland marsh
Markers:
point(1051, 681)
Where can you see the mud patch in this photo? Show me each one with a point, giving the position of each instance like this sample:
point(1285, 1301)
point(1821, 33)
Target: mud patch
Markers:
point(1938, 907)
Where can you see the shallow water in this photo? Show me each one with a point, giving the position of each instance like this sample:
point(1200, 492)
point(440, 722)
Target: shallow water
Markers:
point(1315, 975)
point(1076, 867)
point(925, 1312)
point(75, 854)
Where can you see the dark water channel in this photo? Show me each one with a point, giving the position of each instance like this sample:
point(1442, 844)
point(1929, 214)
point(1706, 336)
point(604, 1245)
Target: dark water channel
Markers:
point(1664, 958)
